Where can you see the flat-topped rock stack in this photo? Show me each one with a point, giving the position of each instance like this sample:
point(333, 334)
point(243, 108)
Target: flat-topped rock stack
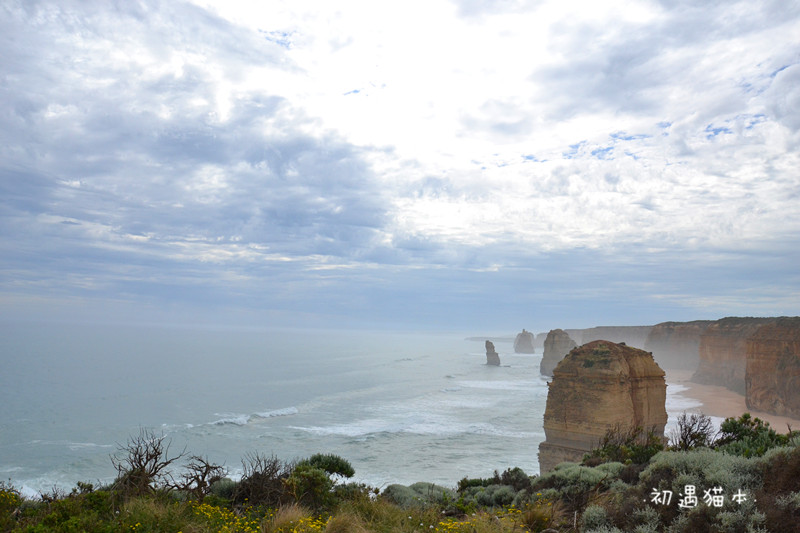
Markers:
point(596, 387)
point(557, 344)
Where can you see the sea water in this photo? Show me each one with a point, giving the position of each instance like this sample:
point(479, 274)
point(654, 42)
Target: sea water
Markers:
point(401, 407)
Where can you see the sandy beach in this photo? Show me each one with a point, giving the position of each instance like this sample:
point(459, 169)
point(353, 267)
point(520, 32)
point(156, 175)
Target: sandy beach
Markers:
point(720, 402)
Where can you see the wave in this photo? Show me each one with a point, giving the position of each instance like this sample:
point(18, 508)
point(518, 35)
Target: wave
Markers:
point(71, 445)
point(242, 420)
point(506, 385)
point(435, 427)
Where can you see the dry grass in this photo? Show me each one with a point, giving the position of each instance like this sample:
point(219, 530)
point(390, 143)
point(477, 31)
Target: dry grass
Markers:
point(285, 519)
point(346, 522)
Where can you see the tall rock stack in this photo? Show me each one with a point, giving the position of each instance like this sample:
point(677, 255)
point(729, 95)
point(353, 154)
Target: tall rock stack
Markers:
point(523, 343)
point(492, 357)
point(557, 344)
point(596, 387)
point(773, 368)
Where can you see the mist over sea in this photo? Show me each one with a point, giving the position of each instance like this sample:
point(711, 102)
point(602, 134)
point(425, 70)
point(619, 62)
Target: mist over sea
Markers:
point(401, 407)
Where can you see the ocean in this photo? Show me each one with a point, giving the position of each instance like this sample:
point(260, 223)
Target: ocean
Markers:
point(401, 407)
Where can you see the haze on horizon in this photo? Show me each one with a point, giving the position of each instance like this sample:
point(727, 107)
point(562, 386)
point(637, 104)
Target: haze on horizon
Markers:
point(447, 164)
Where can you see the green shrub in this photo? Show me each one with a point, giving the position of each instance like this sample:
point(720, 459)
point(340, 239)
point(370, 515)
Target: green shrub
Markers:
point(419, 494)
point(630, 446)
point(310, 486)
point(574, 484)
point(594, 517)
point(330, 463)
point(750, 437)
point(703, 468)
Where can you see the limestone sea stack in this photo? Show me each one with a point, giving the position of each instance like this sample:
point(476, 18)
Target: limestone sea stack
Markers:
point(492, 358)
point(596, 387)
point(524, 342)
point(773, 368)
point(557, 344)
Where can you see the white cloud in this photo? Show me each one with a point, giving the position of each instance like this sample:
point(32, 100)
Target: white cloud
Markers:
point(276, 142)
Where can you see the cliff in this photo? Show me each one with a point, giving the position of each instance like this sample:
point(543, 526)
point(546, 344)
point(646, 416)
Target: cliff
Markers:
point(492, 357)
point(524, 342)
point(631, 335)
point(596, 387)
point(557, 344)
point(723, 352)
point(676, 345)
point(772, 378)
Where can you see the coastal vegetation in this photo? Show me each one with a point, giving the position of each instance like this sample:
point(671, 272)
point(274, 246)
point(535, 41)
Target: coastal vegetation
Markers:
point(744, 478)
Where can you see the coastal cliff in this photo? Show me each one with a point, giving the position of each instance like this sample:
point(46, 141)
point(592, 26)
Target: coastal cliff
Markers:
point(523, 343)
point(598, 386)
point(557, 344)
point(676, 345)
point(631, 335)
point(723, 352)
point(772, 380)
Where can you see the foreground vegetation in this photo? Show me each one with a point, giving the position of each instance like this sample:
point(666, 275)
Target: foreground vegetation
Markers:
point(746, 478)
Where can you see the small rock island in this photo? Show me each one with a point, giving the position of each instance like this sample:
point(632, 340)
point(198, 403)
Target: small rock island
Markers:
point(557, 344)
point(523, 343)
point(596, 387)
point(492, 357)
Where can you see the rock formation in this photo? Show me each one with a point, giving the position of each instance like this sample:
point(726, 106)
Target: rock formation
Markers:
point(772, 381)
point(524, 342)
point(492, 358)
point(599, 386)
point(723, 352)
point(557, 344)
point(539, 342)
point(676, 345)
point(631, 335)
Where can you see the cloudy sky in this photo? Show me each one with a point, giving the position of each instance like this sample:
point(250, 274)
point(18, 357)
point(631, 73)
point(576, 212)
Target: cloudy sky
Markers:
point(455, 164)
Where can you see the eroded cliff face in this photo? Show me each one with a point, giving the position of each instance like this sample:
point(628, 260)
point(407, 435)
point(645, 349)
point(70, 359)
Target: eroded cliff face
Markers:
point(772, 380)
point(723, 352)
point(631, 335)
point(557, 344)
point(676, 345)
point(523, 343)
point(596, 387)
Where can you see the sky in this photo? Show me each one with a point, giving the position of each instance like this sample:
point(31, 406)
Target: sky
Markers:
point(464, 165)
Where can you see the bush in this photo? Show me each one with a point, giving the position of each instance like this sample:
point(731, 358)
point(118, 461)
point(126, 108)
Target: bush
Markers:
point(330, 463)
point(143, 464)
point(594, 517)
point(309, 485)
point(10, 501)
point(693, 431)
point(262, 481)
point(749, 437)
point(419, 495)
point(630, 446)
point(199, 476)
point(574, 484)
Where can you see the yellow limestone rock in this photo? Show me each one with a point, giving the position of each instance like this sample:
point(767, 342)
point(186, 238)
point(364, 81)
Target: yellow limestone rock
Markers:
point(596, 387)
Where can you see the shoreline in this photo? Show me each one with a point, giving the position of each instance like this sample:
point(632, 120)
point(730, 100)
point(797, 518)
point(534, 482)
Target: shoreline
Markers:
point(718, 401)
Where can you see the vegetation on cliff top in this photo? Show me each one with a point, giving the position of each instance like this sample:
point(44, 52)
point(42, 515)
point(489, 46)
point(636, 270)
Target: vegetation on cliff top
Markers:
point(746, 478)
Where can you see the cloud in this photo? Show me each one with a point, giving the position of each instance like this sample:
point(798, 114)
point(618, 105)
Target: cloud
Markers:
point(316, 160)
